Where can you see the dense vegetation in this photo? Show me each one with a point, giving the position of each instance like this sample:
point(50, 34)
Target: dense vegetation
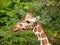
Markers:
point(11, 12)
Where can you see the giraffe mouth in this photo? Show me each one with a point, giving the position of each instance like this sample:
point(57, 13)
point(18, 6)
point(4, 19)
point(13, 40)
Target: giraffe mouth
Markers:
point(14, 29)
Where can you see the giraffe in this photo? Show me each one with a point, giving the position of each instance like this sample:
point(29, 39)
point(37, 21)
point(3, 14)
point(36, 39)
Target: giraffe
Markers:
point(30, 22)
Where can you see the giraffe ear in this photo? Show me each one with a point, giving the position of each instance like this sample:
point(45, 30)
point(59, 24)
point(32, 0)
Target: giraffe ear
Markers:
point(37, 17)
point(29, 14)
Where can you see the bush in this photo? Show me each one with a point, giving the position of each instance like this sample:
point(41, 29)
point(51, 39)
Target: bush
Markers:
point(11, 12)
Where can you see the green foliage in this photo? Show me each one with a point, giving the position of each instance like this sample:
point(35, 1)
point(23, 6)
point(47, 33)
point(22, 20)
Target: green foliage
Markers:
point(11, 12)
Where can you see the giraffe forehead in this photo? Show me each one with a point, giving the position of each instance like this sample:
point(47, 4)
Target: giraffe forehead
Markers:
point(31, 19)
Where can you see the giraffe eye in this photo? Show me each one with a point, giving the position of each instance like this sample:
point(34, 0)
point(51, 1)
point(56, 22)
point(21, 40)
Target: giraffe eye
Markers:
point(28, 21)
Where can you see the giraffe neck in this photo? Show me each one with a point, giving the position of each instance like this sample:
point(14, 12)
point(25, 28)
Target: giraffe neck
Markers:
point(41, 35)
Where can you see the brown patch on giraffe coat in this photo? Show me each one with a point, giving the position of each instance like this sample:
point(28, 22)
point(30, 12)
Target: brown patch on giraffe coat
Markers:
point(40, 28)
point(35, 30)
point(43, 35)
point(44, 42)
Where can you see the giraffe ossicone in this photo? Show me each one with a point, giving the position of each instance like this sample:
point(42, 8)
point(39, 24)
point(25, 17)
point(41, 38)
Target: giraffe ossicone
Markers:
point(30, 22)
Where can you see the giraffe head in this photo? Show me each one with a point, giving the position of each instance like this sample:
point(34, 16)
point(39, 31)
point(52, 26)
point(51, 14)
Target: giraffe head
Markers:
point(27, 22)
